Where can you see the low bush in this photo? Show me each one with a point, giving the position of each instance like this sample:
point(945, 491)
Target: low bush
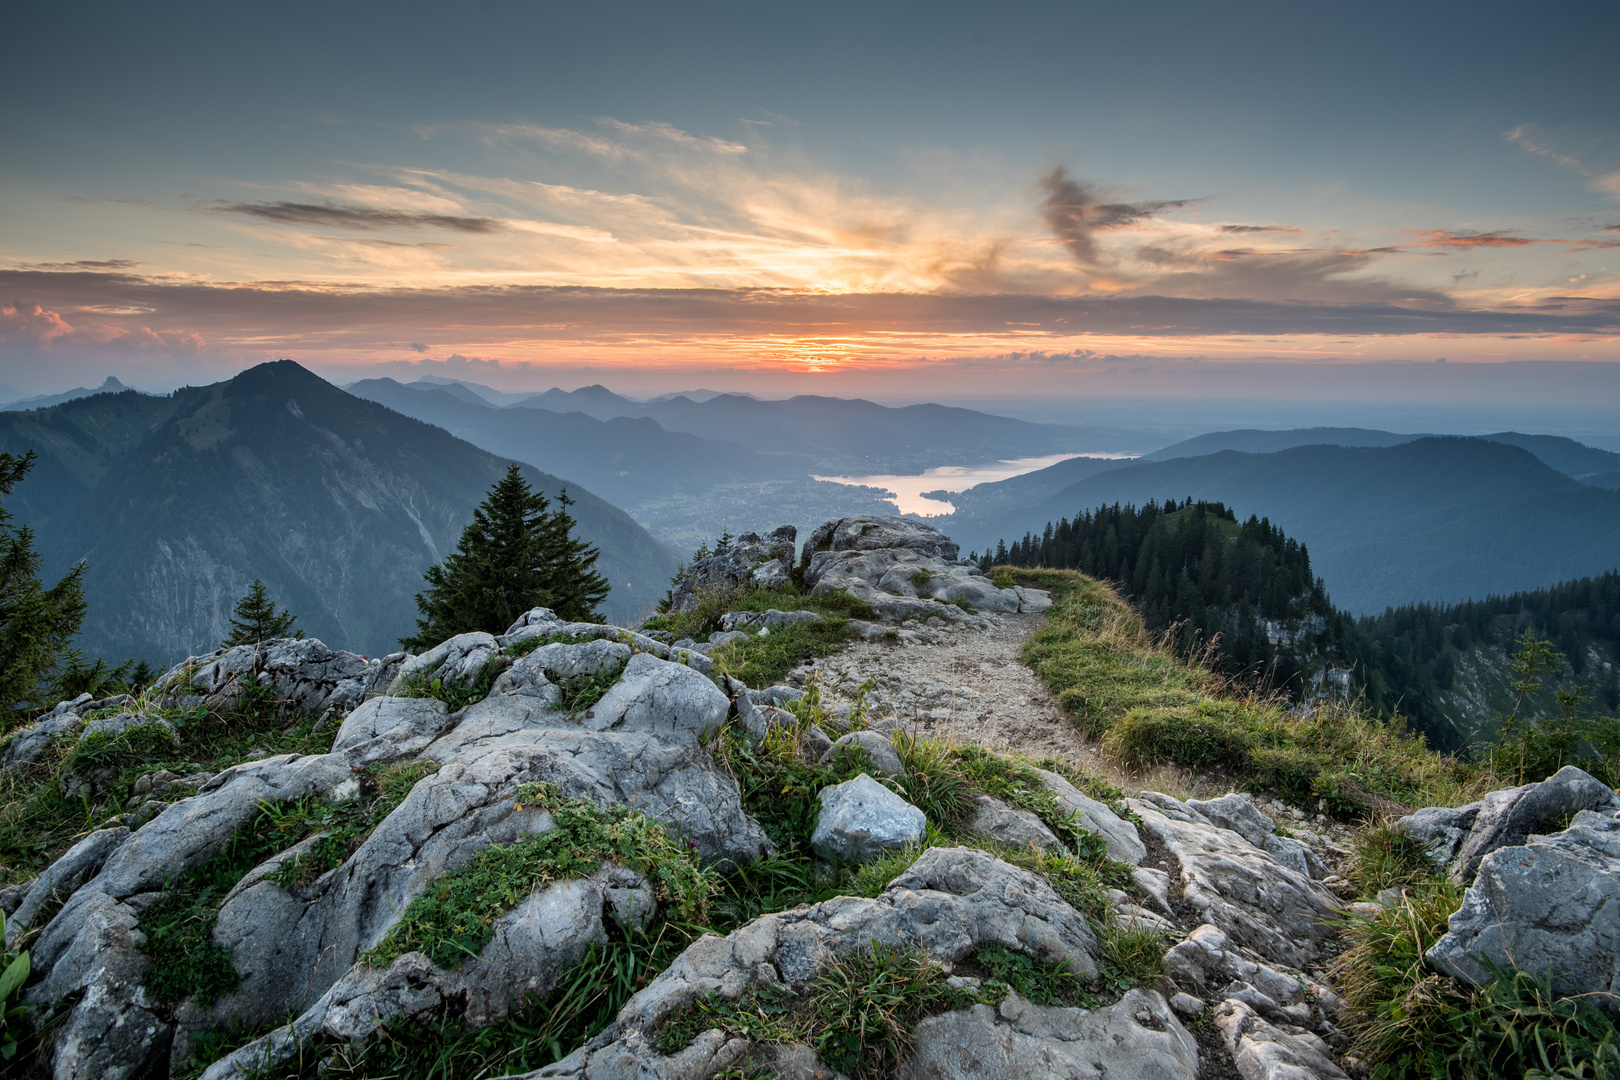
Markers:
point(704, 618)
point(763, 660)
point(1150, 708)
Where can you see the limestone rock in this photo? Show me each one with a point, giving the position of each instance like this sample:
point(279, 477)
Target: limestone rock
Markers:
point(308, 676)
point(1263, 1052)
point(753, 620)
point(79, 863)
point(26, 744)
point(1211, 966)
point(1120, 835)
point(873, 532)
point(457, 662)
point(386, 729)
point(1279, 913)
point(996, 820)
point(746, 560)
point(1507, 817)
point(861, 819)
point(880, 752)
point(1137, 1038)
point(1440, 829)
point(1549, 906)
point(1236, 812)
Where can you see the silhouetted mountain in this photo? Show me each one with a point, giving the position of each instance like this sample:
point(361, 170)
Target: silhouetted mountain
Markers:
point(177, 503)
point(1569, 457)
point(1436, 519)
point(627, 461)
point(847, 434)
point(45, 401)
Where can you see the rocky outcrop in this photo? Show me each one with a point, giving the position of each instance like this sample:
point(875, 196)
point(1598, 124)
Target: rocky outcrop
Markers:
point(1549, 906)
point(905, 569)
point(1136, 1038)
point(1278, 912)
point(749, 559)
point(307, 676)
point(1461, 838)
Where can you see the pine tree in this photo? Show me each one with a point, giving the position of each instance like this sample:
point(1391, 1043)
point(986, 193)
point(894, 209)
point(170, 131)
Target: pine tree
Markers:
point(516, 554)
point(255, 619)
point(36, 623)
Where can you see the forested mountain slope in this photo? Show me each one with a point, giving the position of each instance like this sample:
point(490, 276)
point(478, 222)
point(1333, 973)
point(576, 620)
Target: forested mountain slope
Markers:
point(177, 503)
point(1436, 519)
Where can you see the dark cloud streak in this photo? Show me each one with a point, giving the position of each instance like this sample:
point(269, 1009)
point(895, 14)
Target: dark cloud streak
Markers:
point(338, 216)
point(1071, 210)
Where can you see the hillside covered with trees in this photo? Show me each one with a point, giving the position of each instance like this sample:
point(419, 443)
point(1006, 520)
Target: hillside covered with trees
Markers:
point(1245, 594)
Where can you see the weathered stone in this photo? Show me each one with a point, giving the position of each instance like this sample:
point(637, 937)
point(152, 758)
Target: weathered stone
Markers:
point(457, 662)
point(1295, 855)
point(753, 620)
point(745, 560)
point(1120, 835)
point(1550, 907)
point(879, 750)
point(308, 676)
point(1279, 913)
point(1236, 812)
point(1137, 1038)
point(76, 865)
point(1441, 830)
point(861, 819)
point(1507, 817)
point(386, 729)
point(26, 744)
point(1209, 965)
point(665, 698)
point(1263, 1052)
point(873, 532)
point(996, 820)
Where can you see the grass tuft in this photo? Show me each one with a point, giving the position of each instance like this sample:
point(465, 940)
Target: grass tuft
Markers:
point(1150, 708)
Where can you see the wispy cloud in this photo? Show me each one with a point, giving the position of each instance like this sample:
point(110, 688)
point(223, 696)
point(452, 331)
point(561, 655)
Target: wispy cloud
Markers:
point(86, 264)
point(1257, 229)
point(1536, 140)
point(1468, 238)
point(338, 216)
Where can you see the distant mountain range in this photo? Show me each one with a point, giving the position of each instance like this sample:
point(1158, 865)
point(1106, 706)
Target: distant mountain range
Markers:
point(1429, 519)
point(625, 460)
point(177, 503)
point(822, 434)
point(44, 401)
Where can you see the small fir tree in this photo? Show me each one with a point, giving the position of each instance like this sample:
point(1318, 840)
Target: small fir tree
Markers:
point(256, 620)
point(516, 554)
point(36, 623)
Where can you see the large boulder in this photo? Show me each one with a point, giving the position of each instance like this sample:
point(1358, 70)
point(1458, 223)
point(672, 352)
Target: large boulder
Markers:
point(1550, 906)
point(873, 532)
point(307, 676)
point(1508, 817)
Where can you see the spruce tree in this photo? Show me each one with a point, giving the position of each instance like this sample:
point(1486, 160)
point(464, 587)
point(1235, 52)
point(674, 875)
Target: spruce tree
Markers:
point(255, 619)
point(36, 623)
point(516, 554)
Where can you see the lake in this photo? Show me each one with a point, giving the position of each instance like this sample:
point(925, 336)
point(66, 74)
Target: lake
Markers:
point(906, 492)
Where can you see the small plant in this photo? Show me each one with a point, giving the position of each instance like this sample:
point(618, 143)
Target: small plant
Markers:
point(921, 578)
point(1044, 982)
point(1387, 859)
point(858, 1014)
point(13, 1013)
point(583, 691)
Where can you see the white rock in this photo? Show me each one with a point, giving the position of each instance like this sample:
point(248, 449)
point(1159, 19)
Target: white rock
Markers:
point(861, 819)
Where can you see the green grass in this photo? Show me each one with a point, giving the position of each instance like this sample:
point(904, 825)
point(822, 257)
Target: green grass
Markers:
point(858, 1014)
point(1410, 1023)
point(704, 619)
point(37, 823)
point(761, 661)
point(1150, 708)
point(453, 919)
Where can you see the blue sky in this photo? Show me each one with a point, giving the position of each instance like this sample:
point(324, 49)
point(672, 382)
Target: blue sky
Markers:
point(956, 198)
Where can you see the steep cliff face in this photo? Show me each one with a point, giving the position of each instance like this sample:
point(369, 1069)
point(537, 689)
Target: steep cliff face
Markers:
point(338, 504)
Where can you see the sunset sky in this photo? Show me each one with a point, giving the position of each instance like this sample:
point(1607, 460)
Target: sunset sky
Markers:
point(895, 200)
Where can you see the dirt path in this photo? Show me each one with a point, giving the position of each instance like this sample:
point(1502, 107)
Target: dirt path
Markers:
point(961, 684)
